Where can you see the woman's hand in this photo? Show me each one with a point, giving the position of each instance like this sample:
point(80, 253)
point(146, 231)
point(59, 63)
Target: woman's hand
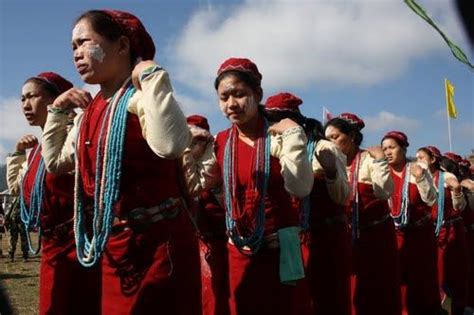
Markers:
point(26, 142)
point(453, 184)
point(376, 152)
point(328, 161)
point(73, 98)
point(137, 71)
point(417, 171)
point(282, 126)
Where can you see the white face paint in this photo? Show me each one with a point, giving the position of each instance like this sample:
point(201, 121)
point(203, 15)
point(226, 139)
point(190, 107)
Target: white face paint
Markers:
point(96, 52)
point(78, 31)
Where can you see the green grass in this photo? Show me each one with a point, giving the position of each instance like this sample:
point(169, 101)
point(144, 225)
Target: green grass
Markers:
point(21, 280)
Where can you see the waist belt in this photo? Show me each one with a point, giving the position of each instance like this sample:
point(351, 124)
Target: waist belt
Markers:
point(139, 219)
point(58, 231)
point(420, 222)
point(374, 222)
point(452, 221)
point(269, 241)
point(328, 222)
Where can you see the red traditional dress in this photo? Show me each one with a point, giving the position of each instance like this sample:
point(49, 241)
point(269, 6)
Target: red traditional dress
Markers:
point(468, 219)
point(327, 248)
point(150, 266)
point(416, 242)
point(255, 286)
point(214, 255)
point(375, 255)
point(453, 252)
point(64, 285)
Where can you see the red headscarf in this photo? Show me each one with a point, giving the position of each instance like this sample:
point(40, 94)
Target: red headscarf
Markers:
point(283, 101)
point(140, 41)
point(353, 120)
point(243, 65)
point(398, 136)
point(434, 151)
point(199, 121)
point(55, 80)
point(453, 157)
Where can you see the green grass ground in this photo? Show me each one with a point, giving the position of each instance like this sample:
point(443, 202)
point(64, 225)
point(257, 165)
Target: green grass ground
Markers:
point(21, 280)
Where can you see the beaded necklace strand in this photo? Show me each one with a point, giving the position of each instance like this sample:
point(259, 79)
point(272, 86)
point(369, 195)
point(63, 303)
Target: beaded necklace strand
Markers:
point(30, 216)
point(109, 156)
point(401, 220)
point(441, 192)
point(306, 202)
point(355, 197)
point(262, 162)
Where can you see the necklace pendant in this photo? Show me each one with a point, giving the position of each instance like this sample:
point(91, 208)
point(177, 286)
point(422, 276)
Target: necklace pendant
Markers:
point(87, 142)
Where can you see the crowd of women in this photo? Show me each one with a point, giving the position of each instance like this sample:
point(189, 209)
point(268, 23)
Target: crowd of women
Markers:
point(141, 210)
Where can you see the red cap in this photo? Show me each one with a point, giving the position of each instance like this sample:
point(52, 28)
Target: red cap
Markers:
point(54, 79)
point(283, 101)
point(243, 65)
point(399, 136)
point(141, 42)
point(434, 151)
point(465, 163)
point(453, 157)
point(353, 119)
point(199, 121)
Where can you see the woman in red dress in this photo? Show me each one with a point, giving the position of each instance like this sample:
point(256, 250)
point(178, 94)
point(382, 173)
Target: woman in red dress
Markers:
point(375, 257)
point(326, 242)
point(130, 215)
point(413, 196)
point(210, 218)
point(467, 184)
point(262, 167)
point(449, 229)
point(64, 283)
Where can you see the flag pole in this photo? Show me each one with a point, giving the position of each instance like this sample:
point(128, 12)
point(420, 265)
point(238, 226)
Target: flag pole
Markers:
point(447, 114)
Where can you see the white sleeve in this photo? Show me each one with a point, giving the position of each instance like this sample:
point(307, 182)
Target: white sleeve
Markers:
point(290, 149)
point(163, 124)
point(58, 145)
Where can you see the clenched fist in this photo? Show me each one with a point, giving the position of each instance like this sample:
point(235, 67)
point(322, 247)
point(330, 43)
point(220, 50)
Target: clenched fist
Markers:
point(26, 142)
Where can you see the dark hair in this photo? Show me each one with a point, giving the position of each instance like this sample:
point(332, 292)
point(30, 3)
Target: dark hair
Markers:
point(450, 166)
point(346, 128)
point(310, 125)
point(45, 86)
point(241, 76)
point(431, 155)
point(106, 27)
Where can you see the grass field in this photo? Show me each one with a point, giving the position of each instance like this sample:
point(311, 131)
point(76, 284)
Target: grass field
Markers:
point(20, 280)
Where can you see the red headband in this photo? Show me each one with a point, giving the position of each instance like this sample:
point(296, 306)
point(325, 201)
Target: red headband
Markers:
point(399, 136)
point(198, 121)
point(353, 119)
point(242, 65)
point(453, 157)
point(283, 101)
point(434, 151)
point(140, 41)
point(54, 79)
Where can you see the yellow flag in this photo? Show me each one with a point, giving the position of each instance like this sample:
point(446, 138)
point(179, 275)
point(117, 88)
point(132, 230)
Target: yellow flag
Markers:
point(450, 107)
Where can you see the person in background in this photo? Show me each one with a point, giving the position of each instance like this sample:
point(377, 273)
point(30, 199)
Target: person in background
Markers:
point(46, 205)
point(413, 197)
point(449, 229)
point(376, 287)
